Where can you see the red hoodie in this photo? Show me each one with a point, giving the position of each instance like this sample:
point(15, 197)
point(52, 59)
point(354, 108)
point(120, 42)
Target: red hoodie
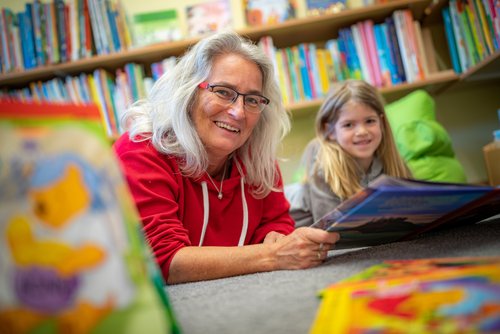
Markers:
point(172, 206)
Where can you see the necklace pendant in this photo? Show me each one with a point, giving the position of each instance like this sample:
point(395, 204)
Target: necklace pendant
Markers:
point(219, 196)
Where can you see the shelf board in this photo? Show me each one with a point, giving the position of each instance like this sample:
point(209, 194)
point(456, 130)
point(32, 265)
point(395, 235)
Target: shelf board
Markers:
point(325, 26)
point(284, 34)
point(487, 69)
point(433, 83)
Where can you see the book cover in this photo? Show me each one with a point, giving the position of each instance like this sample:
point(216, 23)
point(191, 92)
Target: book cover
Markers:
point(204, 18)
point(320, 7)
point(156, 27)
point(392, 209)
point(264, 12)
point(74, 258)
point(441, 295)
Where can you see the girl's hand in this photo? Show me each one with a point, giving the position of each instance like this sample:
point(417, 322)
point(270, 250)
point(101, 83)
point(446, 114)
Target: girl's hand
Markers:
point(304, 248)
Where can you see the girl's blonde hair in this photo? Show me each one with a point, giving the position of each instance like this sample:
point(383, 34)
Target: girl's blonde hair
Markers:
point(341, 171)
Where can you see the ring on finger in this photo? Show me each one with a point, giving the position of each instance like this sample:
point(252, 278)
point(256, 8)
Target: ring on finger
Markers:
point(321, 247)
point(319, 255)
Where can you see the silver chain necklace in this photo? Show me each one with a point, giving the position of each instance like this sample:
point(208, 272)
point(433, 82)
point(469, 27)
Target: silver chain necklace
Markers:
point(219, 196)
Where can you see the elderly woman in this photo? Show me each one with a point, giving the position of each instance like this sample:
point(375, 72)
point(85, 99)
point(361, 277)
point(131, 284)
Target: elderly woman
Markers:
point(199, 156)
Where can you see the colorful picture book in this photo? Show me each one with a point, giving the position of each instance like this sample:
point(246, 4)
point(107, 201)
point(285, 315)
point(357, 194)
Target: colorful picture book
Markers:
point(73, 257)
point(392, 209)
point(156, 27)
point(319, 7)
point(263, 12)
point(442, 295)
point(208, 17)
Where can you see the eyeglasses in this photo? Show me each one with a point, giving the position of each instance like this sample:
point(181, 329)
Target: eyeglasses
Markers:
point(252, 102)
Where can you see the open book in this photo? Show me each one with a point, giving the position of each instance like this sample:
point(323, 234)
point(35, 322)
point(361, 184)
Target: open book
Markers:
point(392, 209)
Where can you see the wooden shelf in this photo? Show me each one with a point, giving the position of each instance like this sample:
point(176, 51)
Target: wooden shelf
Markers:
point(292, 32)
point(434, 82)
point(485, 70)
point(322, 28)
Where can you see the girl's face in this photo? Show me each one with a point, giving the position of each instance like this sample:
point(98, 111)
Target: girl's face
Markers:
point(223, 127)
point(358, 131)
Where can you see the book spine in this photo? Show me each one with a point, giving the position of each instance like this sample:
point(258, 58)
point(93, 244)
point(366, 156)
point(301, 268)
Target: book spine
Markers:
point(359, 50)
point(372, 52)
point(465, 27)
point(383, 55)
point(414, 52)
point(403, 42)
point(395, 49)
point(484, 25)
point(450, 39)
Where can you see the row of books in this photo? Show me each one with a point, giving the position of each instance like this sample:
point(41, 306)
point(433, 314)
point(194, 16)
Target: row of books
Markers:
point(58, 31)
point(472, 30)
point(383, 54)
point(111, 94)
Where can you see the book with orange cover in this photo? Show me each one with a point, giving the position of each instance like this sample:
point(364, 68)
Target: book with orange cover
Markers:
point(442, 295)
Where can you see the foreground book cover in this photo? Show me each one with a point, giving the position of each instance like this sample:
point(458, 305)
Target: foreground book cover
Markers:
point(442, 295)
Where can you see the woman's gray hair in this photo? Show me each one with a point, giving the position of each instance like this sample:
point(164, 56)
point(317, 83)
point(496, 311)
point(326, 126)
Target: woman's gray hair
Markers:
point(164, 117)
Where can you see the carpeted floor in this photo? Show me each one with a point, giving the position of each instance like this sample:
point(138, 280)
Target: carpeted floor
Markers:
point(286, 301)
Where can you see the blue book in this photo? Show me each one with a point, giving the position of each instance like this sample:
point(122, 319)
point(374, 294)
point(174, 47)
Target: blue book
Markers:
point(304, 71)
point(61, 30)
point(353, 61)
point(29, 38)
point(393, 209)
point(112, 14)
point(394, 48)
point(450, 39)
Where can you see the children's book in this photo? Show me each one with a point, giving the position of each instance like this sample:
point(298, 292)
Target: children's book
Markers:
point(319, 7)
point(441, 295)
point(393, 209)
point(72, 255)
point(156, 27)
point(208, 17)
point(263, 12)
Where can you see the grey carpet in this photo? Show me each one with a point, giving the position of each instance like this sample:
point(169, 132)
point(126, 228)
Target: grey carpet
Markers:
point(286, 301)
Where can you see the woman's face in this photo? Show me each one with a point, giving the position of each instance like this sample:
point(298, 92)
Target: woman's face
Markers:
point(358, 131)
point(223, 127)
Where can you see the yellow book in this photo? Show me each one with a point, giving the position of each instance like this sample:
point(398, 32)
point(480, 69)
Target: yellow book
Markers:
point(282, 78)
point(323, 70)
point(475, 34)
point(484, 25)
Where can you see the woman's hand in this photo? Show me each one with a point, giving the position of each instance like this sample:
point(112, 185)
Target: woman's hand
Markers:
point(304, 248)
point(272, 237)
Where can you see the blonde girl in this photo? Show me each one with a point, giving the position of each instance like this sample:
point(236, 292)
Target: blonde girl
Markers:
point(353, 145)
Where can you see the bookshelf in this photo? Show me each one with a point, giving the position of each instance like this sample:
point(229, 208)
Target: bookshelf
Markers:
point(291, 32)
point(317, 29)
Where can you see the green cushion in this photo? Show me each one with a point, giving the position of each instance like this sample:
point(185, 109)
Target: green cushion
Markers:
point(417, 105)
point(439, 169)
point(420, 138)
point(422, 142)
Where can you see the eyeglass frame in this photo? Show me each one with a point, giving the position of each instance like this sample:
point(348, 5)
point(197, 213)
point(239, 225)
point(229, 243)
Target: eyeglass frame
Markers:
point(210, 87)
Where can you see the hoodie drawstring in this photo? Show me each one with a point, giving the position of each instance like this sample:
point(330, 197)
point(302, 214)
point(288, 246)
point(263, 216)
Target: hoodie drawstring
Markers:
point(206, 210)
point(206, 206)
